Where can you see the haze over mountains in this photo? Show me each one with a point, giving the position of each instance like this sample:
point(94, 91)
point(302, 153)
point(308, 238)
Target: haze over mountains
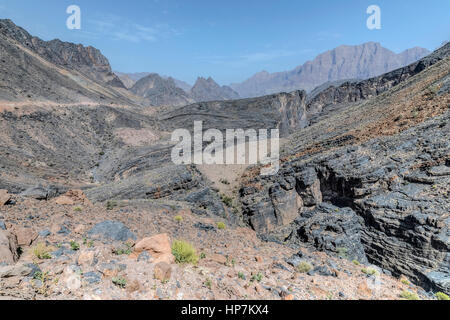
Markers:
point(345, 62)
point(342, 63)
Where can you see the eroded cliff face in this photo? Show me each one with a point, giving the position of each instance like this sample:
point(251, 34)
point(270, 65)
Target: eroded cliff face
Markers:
point(387, 200)
point(284, 111)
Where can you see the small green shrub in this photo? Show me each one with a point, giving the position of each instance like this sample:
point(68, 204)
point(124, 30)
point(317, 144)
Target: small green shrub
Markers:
point(369, 271)
point(77, 209)
point(74, 246)
point(356, 262)
point(124, 250)
point(304, 267)
point(42, 252)
point(178, 219)
point(184, 252)
point(227, 200)
point(241, 275)
point(111, 204)
point(442, 296)
point(208, 283)
point(120, 282)
point(407, 295)
point(405, 281)
point(256, 277)
point(202, 255)
point(342, 252)
point(221, 225)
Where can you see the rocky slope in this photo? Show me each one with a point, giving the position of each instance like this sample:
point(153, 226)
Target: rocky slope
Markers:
point(87, 60)
point(345, 62)
point(36, 71)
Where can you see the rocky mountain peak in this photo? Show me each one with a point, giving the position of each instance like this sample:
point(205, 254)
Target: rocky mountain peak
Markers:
point(363, 61)
point(87, 60)
point(209, 90)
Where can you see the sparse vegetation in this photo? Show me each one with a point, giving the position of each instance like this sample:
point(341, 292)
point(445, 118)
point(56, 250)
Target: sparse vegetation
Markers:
point(405, 281)
point(126, 249)
point(77, 209)
point(407, 295)
point(42, 252)
point(342, 252)
point(224, 181)
point(221, 225)
point(208, 283)
point(256, 277)
point(241, 275)
point(184, 252)
point(74, 246)
point(202, 255)
point(356, 262)
point(178, 219)
point(227, 200)
point(120, 282)
point(111, 204)
point(369, 271)
point(442, 296)
point(304, 267)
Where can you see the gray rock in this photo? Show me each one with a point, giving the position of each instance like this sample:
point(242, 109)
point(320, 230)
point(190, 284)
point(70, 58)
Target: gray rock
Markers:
point(92, 277)
point(44, 233)
point(144, 256)
point(18, 270)
point(111, 231)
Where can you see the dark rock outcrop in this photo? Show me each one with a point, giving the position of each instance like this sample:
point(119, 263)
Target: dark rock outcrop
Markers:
point(367, 200)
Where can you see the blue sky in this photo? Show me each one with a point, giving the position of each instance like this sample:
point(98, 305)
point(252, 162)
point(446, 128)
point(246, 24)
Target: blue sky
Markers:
point(229, 40)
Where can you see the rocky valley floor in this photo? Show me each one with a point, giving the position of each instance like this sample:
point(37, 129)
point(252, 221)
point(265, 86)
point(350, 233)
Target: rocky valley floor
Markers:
point(233, 264)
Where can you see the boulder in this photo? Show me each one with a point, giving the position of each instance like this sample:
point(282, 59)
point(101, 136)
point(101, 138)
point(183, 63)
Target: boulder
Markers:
point(40, 192)
point(162, 271)
point(4, 197)
point(86, 258)
point(8, 247)
point(111, 231)
point(157, 246)
point(25, 236)
point(17, 270)
point(72, 197)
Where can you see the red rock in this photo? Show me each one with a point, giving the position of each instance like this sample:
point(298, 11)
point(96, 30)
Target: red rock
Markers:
point(86, 258)
point(25, 236)
point(157, 246)
point(218, 258)
point(72, 197)
point(4, 197)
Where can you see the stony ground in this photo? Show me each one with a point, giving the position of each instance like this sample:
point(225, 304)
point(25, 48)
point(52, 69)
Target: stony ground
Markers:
point(234, 263)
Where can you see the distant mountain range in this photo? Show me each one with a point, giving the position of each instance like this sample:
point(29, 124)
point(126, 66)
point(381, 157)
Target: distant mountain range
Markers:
point(345, 62)
point(342, 63)
point(164, 90)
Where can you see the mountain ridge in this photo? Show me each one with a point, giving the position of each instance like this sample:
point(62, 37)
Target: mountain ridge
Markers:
point(344, 62)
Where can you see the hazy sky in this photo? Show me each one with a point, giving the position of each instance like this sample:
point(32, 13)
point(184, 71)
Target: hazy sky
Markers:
point(229, 40)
